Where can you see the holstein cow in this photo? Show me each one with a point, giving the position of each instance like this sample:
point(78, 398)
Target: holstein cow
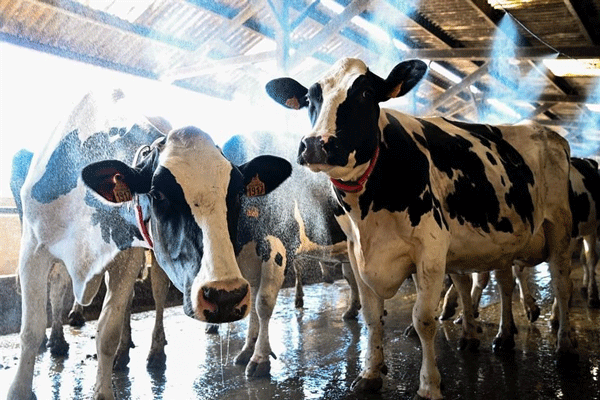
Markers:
point(274, 231)
point(427, 196)
point(183, 187)
point(584, 200)
point(60, 289)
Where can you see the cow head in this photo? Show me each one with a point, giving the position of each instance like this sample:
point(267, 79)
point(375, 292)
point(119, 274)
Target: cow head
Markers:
point(194, 195)
point(343, 108)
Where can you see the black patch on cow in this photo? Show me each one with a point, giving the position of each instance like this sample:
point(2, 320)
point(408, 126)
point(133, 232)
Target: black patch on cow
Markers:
point(279, 259)
point(113, 226)
point(400, 180)
point(71, 155)
point(580, 202)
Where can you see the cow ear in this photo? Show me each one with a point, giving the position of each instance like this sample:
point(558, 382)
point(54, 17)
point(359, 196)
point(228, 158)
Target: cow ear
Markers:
point(264, 174)
point(114, 180)
point(288, 92)
point(403, 78)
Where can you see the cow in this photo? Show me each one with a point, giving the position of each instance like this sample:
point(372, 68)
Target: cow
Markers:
point(84, 205)
point(426, 196)
point(584, 198)
point(299, 217)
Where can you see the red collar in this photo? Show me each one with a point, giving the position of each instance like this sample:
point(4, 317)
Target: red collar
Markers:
point(142, 225)
point(354, 187)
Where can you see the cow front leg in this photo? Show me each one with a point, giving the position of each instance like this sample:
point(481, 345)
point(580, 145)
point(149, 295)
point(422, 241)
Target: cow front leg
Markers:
point(505, 339)
point(120, 279)
point(160, 288)
point(430, 278)
point(125, 343)
point(469, 339)
point(354, 306)
point(272, 276)
point(34, 266)
point(60, 286)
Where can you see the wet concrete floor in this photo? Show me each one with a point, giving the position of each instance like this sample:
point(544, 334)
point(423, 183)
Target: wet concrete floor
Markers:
point(319, 355)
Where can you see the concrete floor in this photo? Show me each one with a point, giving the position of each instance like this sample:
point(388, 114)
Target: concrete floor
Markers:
point(319, 355)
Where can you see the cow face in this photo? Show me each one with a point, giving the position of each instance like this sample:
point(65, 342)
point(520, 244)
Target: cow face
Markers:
point(343, 108)
point(194, 195)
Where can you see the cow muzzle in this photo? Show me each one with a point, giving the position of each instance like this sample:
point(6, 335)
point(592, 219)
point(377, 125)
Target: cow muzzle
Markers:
point(223, 301)
point(312, 151)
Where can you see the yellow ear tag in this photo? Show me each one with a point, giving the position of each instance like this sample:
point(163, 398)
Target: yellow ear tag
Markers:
point(255, 188)
point(121, 190)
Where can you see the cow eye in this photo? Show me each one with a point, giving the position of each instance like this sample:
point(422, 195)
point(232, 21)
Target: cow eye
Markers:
point(367, 94)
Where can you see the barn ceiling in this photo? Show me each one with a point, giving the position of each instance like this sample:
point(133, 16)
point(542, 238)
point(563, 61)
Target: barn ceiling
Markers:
point(490, 60)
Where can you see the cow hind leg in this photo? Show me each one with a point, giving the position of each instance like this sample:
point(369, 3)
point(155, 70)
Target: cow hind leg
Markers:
point(469, 339)
point(34, 266)
point(559, 261)
point(299, 271)
point(505, 339)
point(479, 284)
point(160, 288)
point(60, 285)
point(532, 310)
point(449, 303)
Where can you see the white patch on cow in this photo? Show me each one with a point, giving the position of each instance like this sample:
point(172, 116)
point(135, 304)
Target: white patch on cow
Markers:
point(203, 174)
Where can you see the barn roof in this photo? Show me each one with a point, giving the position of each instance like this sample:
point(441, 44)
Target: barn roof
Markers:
point(522, 57)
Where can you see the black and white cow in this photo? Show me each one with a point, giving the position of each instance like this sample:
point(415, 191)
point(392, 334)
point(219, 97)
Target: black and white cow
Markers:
point(300, 219)
point(427, 196)
point(584, 200)
point(187, 192)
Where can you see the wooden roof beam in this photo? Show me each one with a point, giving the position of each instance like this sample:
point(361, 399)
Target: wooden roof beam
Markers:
point(587, 17)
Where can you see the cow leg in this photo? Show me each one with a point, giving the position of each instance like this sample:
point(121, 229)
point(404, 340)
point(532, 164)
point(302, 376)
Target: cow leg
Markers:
point(60, 284)
point(449, 303)
point(326, 271)
point(272, 276)
point(125, 342)
point(505, 340)
point(299, 269)
point(590, 286)
point(532, 310)
point(160, 289)
point(559, 261)
point(354, 306)
point(34, 267)
point(120, 280)
point(430, 279)
point(469, 339)
point(479, 284)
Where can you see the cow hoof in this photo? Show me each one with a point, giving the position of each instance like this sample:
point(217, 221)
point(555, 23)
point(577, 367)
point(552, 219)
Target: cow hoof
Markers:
point(299, 303)
point(567, 358)
point(243, 358)
point(366, 385)
point(156, 360)
point(471, 344)
point(212, 329)
point(121, 361)
point(76, 319)
point(258, 370)
point(594, 302)
point(58, 348)
point(503, 345)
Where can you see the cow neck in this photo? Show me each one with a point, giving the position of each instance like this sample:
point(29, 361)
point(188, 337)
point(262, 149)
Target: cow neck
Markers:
point(358, 185)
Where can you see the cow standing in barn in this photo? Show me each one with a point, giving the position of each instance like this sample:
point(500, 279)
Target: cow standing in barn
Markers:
point(584, 201)
point(184, 189)
point(430, 196)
